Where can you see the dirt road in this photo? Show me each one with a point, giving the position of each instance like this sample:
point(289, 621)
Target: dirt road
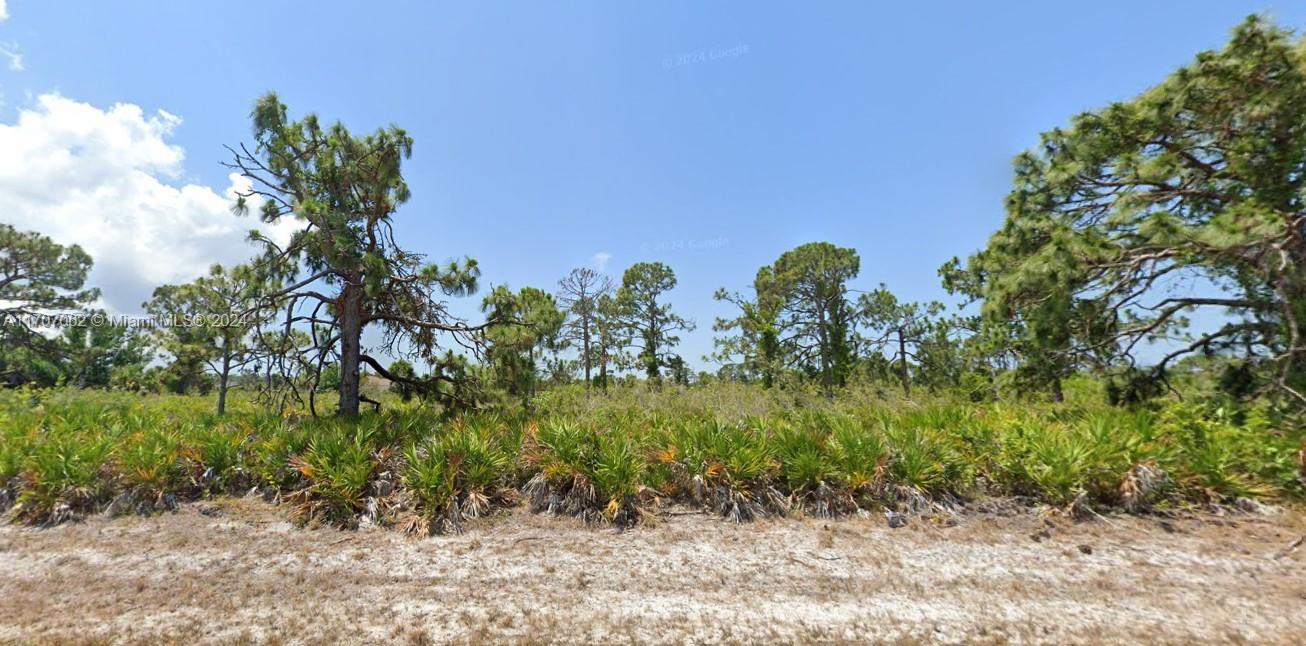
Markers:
point(235, 571)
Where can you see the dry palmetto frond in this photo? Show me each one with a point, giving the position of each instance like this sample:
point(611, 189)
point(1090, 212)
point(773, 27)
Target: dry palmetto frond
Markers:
point(1140, 486)
point(1301, 464)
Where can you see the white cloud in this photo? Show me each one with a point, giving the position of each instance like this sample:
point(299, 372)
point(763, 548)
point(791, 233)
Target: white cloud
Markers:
point(601, 260)
point(100, 179)
point(11, 52)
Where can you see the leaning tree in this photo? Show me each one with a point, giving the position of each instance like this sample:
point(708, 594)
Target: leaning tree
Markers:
point(1191, 197)
point(343, 269)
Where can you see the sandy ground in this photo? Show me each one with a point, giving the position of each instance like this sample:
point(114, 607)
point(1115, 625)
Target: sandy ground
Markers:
point(234, 571)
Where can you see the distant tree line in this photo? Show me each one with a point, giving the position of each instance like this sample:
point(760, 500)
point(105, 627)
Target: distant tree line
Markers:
point(1118, 229)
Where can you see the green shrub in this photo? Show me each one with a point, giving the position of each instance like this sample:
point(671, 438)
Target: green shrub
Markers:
point(338, 465)
point(217, 455)
point(858, 454)
point(64, 475)
point(736, 450)
point(586, 473)
point(150, 460)
point(456, 475)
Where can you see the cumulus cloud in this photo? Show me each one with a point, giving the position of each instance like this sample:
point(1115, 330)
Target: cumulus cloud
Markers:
point(601, 260)
point(109, 180)
point(4, 13)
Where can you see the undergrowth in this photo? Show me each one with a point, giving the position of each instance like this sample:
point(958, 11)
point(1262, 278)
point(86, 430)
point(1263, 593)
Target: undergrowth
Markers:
point(65, 454)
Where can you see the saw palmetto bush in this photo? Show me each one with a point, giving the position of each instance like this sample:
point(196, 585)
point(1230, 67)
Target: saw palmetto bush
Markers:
point(1063, 465)
point(462, 473)
point(595, 475)
point(338, 466)
point(14, 442)
point(807, 469)
point(922, 465)
point(731, 468)
point(64, 475)
point(274, 445)
point(859, 456)
point(614, 458)
point(562, 455)
point(150, 467)
point(1221, 461)
point(216, 455)
point(618, 474)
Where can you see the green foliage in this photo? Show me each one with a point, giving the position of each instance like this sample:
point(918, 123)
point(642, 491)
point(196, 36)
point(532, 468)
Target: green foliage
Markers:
point(857, 453)
point(457, 474)
point(136, 378)
point(531, 322)
point(921, 459)
point(36, 275)
point(586, 473)
point(338, 466)
point(273, 451)
point(343, 190)
point(739, 451)
point(1223, 460)
point(208, 326)
point(94, 352)
point(901, 330)
point(617, 472)
point(804, 458)
point(217, 454)
point(1062, 465)
point(647, 322)
point(1199, 180)
point(800, 317)
point(402, 370)
point(151, 459)
point(63, 474)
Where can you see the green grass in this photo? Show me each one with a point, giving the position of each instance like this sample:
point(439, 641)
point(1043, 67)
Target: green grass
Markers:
point(741, 453)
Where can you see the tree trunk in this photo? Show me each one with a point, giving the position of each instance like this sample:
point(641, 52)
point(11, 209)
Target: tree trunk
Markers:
point(351, 339)
point(530, 380)
point(823, 345)
point(585, 348)
point(651, 363)
point(1057, 395)
point(903, 369)
point(222, 381)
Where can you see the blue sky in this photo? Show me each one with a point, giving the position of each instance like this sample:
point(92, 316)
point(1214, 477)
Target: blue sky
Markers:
point(710, 136)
